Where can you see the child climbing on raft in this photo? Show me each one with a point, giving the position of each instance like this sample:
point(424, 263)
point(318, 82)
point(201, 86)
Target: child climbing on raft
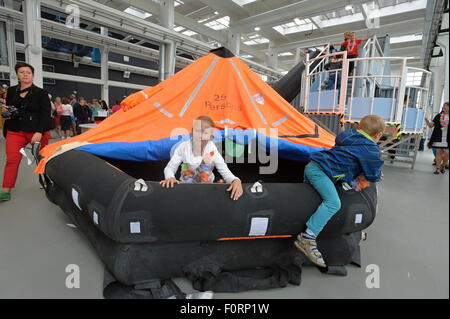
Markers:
point(356, 153)
point(198, 157)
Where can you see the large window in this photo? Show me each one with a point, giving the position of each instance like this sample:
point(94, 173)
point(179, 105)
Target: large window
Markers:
point(414, 78)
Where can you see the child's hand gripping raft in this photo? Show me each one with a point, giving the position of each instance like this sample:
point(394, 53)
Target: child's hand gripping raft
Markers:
point(198, 157)
point(355, 157)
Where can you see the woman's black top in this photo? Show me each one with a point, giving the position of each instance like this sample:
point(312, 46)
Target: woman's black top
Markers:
point(82, 113)
point(436, 136)
point(35, 110)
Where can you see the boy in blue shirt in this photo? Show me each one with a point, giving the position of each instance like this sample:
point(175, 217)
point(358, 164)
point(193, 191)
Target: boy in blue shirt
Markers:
point(356, 153)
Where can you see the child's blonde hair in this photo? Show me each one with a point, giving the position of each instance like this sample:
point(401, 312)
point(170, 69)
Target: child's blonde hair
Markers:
point(206, 119)
point(372, 124)
point(348, 35)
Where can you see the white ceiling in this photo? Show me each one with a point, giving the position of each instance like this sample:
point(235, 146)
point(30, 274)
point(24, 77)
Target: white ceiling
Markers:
point(284, 25)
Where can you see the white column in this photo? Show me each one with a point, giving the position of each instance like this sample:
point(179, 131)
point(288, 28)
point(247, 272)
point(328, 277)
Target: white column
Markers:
point(104, 75)
point(11, 47)
point(162, 62)
point(297, 56)
point(167, 11)
point(272, 59)
point(169, 52)
point(443, 43)
point(234, 41)
point(438, 86)
point(32, 33)
point(3, 44)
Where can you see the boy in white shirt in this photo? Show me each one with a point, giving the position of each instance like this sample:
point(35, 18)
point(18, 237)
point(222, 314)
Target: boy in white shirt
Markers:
point(198, 157)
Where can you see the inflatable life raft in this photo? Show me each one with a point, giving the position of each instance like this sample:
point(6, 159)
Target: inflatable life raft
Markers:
point(145, 234)
point(142, 231)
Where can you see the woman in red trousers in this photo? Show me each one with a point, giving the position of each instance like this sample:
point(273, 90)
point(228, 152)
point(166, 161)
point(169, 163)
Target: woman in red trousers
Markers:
point(28, 112)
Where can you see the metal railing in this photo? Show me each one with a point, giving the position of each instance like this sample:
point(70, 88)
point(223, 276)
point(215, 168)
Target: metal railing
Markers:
point(419, 95)
point(318, 73)
point(367, 85)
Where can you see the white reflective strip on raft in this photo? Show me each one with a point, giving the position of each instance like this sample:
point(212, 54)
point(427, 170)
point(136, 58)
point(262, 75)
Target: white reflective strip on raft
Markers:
point(257, 188)
point(284, 118)
point(346, 186)
point(258, 226)
point(144, 94)
point(140, 185)
point(95, 217)
point(135, 227)
point(197, 88)
point(75, 198)
point(226, 121)
point(248, 92)
point(163, 110)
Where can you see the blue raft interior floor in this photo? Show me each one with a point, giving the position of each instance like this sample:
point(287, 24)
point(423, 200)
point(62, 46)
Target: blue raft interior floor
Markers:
point(408, 242)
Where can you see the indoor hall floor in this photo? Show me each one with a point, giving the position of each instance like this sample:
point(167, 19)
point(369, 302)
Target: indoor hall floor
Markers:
point(408, 242)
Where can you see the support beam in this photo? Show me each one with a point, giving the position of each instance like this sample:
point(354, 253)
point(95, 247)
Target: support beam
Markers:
point(229, 8)
point(438, 88)
point(32, 33)
point(88, 61)
point(167, 20)
point(3, 44)
point(297, 56)
point(127, 38)
point(406, 51)
point(166, 16)
point(393, 29)
point(11, 43)
point(316, 21)
point(104, 75)
point(234, 42)
point(112, 18)
point(444, 44)
point(191, 24)
point(304, 9)
point(272, 58)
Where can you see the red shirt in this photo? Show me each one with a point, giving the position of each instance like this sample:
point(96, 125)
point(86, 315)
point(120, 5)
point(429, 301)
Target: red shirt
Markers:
point(351, 47)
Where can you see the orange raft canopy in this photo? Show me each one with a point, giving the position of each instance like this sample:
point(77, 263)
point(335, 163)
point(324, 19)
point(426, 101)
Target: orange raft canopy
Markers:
point(241, 104)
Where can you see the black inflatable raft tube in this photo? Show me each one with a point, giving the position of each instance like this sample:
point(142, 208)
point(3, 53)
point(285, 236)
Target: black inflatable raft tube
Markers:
point(131, 211)
point(133, 264)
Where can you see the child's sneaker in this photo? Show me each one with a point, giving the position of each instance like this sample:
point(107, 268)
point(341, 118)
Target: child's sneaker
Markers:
point(309, 248)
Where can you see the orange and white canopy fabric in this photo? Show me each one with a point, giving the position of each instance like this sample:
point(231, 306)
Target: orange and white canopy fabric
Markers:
point(151, 121)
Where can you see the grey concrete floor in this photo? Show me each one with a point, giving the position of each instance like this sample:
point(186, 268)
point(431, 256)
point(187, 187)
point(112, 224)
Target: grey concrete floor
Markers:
point(408, 242)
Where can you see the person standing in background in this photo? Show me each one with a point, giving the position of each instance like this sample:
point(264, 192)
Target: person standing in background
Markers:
point(82, 113)
point(439, 138)
point(66, 117)
point(116, 107)
point(73, 99)
point(28, 114)
point(104, 105)
point(95, 107)
point(57, 115)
